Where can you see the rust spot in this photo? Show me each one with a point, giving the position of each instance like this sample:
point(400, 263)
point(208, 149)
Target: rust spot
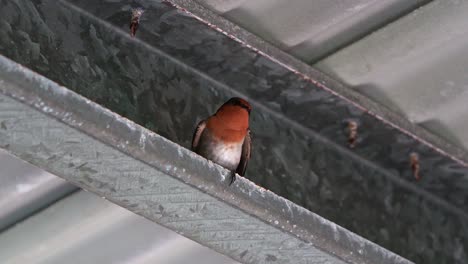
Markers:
point(414, 163)
point(352, 133)
point(135, 21)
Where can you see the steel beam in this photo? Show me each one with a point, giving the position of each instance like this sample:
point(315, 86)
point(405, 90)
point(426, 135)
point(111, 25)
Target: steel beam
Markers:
point(99, 151)
point(83, 228)
point(180, 68)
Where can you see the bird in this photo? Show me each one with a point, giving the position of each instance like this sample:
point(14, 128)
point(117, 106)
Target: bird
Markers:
point(224, 137)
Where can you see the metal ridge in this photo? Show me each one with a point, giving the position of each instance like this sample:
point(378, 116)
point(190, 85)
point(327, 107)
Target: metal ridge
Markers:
point(178, 70)
point(319, 79)
point(304, 95)
point(62, 132)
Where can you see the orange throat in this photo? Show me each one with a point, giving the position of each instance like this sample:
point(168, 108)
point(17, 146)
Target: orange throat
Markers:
point(230, 124)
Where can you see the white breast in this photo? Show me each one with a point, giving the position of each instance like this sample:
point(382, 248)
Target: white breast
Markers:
point(227, 155)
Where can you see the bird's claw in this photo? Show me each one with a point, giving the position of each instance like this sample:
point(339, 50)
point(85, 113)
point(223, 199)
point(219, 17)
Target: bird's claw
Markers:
point(233, 177)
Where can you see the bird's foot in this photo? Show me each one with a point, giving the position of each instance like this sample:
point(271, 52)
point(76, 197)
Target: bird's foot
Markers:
point(233, 177)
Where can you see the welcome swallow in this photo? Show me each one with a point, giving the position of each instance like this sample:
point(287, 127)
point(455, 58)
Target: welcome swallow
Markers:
point(224, 137)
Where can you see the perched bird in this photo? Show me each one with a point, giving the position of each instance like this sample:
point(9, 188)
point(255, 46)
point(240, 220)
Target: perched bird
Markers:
point(224, 137)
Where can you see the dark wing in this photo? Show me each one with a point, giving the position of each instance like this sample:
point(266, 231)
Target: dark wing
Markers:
point(245, 156)
point(197, 134)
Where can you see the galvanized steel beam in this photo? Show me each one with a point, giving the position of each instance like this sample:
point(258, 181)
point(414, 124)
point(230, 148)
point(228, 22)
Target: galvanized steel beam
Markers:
point(68, 135)
point(83, 228)
point(179, 69)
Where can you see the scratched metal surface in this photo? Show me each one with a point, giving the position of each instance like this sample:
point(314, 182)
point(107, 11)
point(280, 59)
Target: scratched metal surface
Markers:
point(34, 201)
point(113, 157)
point(83, 228)
point(181, 70)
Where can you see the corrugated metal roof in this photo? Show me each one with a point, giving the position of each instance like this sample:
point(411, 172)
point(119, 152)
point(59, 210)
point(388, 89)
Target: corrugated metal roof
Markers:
point(410, 56)
point(83, 228)
point(311, 29)
point(123, 162)
point(416, 66)
point(25, 190)
point(412, 61)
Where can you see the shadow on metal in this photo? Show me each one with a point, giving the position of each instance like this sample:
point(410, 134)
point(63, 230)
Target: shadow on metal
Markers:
point(25, 191)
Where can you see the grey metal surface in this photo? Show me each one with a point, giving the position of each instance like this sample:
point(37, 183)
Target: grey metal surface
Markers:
point(414, 63)
point(24, 189)
point(311, 29)
point(163, 181)
point(180, 70)
point(415, 66)
point(417, 248)
point(84, 228)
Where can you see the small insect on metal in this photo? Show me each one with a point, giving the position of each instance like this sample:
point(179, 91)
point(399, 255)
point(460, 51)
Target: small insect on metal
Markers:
point(135, 21)
point(414, 163)
point(352, 133)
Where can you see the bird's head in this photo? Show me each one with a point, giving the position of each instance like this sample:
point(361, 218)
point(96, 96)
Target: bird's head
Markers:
point(236, 103)
point(233, 115)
